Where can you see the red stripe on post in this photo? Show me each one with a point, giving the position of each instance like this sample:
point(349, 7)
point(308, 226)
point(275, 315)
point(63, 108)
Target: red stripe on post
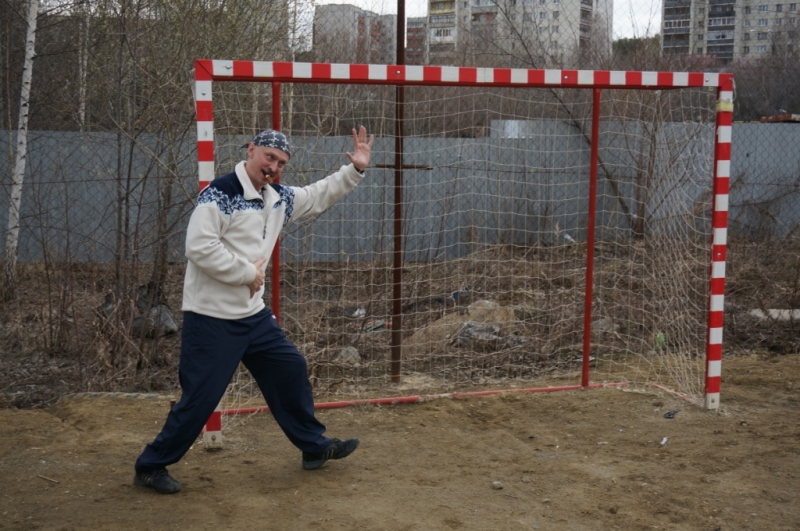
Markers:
point(719, 219)
point(724, 151)
point(696, 79)
point(205, 110)
point(203, 69)
point(724, 118)
point(203, 185)
point(536, 77)
point(633, 78)
point(714, 352)
point(283, 70)
point(717, 286)
point(397, 72)
point(569, 77)
point(726, 81)
point(431, 73)
point(715, 319)
point(467, 75)
point(359, 72)
point(723, 185)
point(713, 384)
point(718, 253)
point(205, 151)
point(665, 79)
point(243, 69)
point(502, 75)
point(320, 71)
point(214, 422)
point(602, 77)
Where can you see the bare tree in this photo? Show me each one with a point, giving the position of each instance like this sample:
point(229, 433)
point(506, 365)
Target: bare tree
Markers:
point(12, 238)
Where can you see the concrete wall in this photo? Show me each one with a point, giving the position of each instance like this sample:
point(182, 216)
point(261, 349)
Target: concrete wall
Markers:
point(462, 193)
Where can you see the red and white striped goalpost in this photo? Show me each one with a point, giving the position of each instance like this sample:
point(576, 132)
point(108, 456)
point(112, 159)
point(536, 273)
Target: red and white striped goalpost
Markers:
point(207, 71)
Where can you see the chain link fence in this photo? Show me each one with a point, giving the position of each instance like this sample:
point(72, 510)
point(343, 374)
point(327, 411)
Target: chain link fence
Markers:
point(110, 176)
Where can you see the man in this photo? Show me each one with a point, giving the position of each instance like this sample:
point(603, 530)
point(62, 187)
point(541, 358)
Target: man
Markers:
point(231, 234)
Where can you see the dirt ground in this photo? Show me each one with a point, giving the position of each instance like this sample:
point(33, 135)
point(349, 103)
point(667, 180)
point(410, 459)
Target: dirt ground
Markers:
point(583, 460)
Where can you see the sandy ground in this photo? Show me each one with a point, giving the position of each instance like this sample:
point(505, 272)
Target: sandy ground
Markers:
point(583, 460)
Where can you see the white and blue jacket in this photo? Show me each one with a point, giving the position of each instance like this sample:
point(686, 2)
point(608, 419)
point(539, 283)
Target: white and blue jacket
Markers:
point(233, 225)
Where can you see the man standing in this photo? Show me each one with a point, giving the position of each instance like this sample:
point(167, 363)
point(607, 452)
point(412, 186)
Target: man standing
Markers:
point(231, 234)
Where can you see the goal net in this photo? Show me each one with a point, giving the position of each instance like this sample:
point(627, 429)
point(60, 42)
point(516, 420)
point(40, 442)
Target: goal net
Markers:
point(516, 228)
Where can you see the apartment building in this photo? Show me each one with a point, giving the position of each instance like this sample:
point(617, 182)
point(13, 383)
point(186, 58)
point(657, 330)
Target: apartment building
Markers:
point(348, 34)
point(729, 30)
point(415, 41)
point(461, 30)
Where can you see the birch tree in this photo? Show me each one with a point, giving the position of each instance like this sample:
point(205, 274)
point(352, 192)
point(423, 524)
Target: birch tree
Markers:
point(17, 178)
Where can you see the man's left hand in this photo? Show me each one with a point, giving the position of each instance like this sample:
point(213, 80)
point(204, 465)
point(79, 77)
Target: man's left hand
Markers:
point(361, 149)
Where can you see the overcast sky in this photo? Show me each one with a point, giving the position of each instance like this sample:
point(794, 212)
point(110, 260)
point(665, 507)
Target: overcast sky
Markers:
point(632, 18)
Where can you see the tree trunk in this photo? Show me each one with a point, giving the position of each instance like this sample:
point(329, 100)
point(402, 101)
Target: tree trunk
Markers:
point(12, 238)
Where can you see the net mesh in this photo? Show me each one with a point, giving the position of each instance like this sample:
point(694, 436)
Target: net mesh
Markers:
point(495, 201)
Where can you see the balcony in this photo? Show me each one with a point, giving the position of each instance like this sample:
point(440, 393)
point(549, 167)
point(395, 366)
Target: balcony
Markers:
point(677, 3)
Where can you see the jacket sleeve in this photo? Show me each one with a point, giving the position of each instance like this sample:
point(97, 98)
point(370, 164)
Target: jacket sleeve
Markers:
point(318, 197)
point(205, 249)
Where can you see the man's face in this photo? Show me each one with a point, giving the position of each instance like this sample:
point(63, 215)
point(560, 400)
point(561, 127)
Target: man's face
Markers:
point(264, 164)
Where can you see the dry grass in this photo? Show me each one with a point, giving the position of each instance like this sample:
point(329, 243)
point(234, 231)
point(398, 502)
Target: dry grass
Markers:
point(55, 342)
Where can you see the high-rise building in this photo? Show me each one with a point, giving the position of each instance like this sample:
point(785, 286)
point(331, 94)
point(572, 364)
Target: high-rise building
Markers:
point(348, 34)
point(415, 41)
point(729, 30)
point(478, 31)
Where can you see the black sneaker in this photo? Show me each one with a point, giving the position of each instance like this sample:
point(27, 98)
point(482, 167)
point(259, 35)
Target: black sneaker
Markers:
point(159, 480)
point(336, 450)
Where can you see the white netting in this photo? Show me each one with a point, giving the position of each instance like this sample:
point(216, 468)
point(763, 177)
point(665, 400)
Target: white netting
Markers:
point(495, 204)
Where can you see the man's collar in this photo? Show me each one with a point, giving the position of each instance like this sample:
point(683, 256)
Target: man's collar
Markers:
point(249, 190)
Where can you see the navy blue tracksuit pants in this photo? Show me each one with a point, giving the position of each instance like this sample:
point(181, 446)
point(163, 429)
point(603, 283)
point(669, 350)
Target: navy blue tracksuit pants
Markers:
point(211, 350)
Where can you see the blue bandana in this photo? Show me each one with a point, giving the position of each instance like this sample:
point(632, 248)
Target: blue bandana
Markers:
point(273, 139)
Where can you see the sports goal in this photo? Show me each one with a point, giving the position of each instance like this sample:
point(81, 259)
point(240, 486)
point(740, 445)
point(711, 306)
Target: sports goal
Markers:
point(518, 229)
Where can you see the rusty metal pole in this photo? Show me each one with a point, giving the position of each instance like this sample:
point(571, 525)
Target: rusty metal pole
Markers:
point(397, 266)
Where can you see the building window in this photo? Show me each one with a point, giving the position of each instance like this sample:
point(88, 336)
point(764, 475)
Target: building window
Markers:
point(542, 2)
point(777, 21)
point(543, 15)
point(792, 7)
point(717, 35)
point(527, 17)
point(701, 11)
point(699, 50)
point(555, 29)
point(556, 13)
point(763, 22)
point(747, 23)
point(779, 8)
point(542, 29)
point(747, 36)
point(699, 24)
point(761, 49)
point(762, 36)
point(746, 49)
point(793, 20)
point(726, 21)
point(763, 9)
point(747, 10)
point(699, 36)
